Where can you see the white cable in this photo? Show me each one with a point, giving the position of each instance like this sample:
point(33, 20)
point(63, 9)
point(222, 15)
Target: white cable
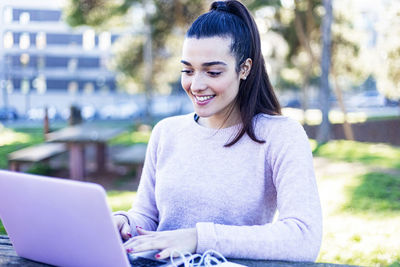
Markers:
point(206, 260)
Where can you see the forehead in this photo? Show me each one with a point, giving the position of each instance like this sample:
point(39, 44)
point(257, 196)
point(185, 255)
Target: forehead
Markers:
point(207, 50)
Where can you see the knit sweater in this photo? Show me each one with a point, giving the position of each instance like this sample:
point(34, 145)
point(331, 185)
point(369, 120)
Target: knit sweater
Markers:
point(250, 200)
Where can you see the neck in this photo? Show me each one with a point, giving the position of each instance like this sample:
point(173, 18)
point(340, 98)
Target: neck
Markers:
point(220, 121)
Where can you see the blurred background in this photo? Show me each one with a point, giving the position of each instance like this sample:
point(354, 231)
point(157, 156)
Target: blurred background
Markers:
point(335, 65)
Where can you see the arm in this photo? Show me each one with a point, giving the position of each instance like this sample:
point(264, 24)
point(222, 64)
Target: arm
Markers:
point(296, 235)
point(144, 212)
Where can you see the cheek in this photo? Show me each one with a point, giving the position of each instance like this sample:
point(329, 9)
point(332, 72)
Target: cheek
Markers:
point(185, 82)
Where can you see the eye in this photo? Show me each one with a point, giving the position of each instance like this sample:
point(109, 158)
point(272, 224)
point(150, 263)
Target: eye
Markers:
point(214, 73)
point(188, 72)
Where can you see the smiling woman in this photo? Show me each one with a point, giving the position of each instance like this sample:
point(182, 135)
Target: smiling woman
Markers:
point(214, 179)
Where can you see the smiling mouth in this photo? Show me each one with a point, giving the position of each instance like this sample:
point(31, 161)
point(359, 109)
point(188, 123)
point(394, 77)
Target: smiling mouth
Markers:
point(203, 99)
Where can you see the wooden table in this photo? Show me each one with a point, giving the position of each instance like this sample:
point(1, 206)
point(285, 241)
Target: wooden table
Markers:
point(79, 136)
point(8, 257)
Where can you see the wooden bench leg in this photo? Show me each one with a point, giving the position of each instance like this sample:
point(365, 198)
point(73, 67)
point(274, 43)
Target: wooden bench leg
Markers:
point(77, 161)
point(101, 152)
point(14, 166)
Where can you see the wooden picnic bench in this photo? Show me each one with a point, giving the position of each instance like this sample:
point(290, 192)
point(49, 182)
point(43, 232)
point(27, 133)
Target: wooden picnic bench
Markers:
point(34, 154)
point(132, 156)
point(9, 257)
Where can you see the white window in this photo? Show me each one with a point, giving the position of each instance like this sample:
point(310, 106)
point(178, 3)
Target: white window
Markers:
point(24, 59)
point(88, 41)
point(8, 40)
point(41, 40)
point(7, 15)
point(88, 88)
point(24, 41)
point(72, 87)
point(104, 41)
point(24, 18)
point(40, 84)
point(25, 86)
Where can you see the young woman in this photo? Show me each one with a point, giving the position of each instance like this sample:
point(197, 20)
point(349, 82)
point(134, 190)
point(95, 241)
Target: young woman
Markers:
point(215, 179)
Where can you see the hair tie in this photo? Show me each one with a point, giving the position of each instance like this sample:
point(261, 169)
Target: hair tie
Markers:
point(220, 6)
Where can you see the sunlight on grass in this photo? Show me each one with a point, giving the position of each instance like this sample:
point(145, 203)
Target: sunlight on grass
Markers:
point(368, 237)
point(376, 154)
point(120, 200)
point(9, 136)
point(130, 138)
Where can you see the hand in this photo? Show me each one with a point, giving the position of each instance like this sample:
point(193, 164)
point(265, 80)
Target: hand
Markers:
point(123, 226)
point(182, 240)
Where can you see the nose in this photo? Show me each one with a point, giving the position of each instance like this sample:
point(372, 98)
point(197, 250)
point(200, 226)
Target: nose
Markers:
point(197, 83)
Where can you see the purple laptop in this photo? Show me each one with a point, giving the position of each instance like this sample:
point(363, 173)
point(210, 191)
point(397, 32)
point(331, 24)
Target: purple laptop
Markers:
point(59, 222)
point(63, 222)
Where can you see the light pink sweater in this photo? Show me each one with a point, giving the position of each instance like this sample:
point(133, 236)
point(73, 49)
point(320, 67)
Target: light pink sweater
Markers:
point(231, 194)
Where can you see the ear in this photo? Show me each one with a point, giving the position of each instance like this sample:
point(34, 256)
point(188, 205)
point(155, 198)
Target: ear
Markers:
point(245, 68)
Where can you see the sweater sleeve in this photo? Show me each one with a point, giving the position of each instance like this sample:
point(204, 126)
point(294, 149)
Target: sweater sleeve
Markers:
point(297, 233)
point(144, 212)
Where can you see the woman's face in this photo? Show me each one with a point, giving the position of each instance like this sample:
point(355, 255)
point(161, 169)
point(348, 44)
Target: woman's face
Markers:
point(210, 79)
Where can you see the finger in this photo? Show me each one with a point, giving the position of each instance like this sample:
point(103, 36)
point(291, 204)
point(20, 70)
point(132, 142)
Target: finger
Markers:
point(126, 231)
point(141, 231)
point(136, 240)
point(143, 245)
point(163, 254)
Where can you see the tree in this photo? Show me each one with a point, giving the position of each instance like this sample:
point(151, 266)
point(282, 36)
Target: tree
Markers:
point(167, 19)
point(387, 51)
point(349, 64)
point(323, 135)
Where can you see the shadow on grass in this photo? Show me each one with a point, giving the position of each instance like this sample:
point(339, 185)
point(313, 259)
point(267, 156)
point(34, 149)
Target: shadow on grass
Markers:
point(376, 192)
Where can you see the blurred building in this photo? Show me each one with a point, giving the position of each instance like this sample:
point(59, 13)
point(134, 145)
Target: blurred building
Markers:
point(40, 53)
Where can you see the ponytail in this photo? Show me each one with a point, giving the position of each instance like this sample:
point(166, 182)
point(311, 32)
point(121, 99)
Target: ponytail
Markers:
point(256, 95)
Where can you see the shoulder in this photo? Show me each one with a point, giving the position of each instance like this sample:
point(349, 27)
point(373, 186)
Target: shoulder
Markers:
point(277, 124)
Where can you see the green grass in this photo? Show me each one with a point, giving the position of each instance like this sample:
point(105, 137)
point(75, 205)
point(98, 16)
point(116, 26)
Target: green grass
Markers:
point(131, 137)
point(376, 154)
point(374, 192)
point(2, 230)
point(15, 139)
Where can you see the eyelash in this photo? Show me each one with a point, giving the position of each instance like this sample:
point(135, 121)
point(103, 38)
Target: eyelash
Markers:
point(211, 73)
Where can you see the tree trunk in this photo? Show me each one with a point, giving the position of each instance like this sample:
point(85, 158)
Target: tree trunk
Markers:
point(303, 35)
point(348, 131)
point(323, 135)
point(148, 62)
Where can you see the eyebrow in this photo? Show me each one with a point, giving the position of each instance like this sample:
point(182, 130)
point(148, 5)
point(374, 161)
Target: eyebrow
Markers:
point(206, 64)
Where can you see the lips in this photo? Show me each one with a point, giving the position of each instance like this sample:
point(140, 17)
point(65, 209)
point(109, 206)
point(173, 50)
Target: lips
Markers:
point(203, 99)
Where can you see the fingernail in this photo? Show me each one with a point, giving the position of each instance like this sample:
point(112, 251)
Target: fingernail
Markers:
point(158, 256)
point(139, 227)
point(129, 235)
point(129, 250)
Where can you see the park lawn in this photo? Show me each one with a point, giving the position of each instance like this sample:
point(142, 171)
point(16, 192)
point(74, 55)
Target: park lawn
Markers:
point(361, 215)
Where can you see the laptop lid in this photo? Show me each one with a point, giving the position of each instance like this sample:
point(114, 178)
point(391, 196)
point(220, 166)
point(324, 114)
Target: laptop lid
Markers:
point(59, 221)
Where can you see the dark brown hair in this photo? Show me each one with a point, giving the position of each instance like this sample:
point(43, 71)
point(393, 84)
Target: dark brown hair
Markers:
point(256, 95)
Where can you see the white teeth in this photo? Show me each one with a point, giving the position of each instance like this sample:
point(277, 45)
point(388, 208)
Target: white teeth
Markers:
point(204, 98)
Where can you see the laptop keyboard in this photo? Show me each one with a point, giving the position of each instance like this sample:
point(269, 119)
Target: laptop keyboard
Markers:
point(144, 262)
